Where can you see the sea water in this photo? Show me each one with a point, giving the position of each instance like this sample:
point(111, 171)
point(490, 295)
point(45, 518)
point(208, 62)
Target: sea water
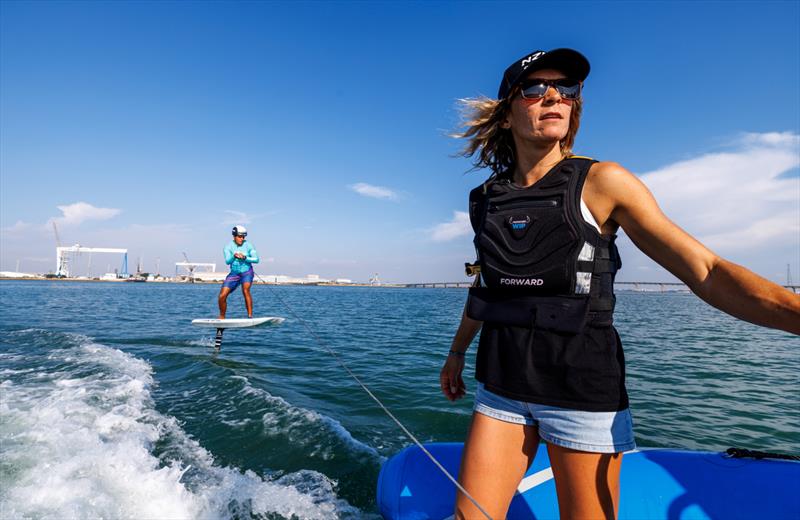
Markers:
point(112, 405)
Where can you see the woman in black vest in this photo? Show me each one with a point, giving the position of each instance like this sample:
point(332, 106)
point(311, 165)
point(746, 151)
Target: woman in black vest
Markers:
point(550, 364)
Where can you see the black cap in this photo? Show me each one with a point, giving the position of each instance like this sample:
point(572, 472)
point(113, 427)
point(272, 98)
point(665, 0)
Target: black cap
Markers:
point(570, 62)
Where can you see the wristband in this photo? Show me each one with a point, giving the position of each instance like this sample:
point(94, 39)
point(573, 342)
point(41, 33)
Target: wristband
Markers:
point(456, 353)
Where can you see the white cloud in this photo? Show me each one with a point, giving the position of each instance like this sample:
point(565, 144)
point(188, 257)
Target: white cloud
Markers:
point(739, 203)
point(237, 217)
point(735, 199)
point(19, 228)
point(780, 139)
point(74, 214)
point(458, 227)
point(376, 192)
point(234, 217)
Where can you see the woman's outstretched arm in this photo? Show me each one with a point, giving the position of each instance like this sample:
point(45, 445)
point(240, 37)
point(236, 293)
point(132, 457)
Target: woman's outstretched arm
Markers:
point(723, 284)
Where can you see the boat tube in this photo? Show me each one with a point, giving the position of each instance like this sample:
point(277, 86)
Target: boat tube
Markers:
point(654, 484)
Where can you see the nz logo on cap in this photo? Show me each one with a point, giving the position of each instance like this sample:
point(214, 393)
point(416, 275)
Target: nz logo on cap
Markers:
point(530, 59)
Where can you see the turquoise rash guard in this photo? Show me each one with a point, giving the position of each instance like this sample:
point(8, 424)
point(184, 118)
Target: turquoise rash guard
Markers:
point(240, 266)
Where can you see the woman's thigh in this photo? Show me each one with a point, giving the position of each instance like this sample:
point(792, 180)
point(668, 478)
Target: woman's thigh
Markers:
point(587, 483)
point(496, 455)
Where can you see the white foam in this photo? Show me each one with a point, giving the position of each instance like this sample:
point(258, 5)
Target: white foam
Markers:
point(78, 443)
point(237, 424)
point(203, 342)
point(306, 427)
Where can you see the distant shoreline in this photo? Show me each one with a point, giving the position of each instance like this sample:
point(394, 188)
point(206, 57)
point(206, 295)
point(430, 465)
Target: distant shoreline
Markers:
point(428, 285)
point(673, 287)
point(196, 282)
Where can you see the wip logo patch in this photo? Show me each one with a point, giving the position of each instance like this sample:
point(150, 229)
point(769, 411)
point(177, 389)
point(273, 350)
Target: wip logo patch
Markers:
point(519, 225)
point(521, 281)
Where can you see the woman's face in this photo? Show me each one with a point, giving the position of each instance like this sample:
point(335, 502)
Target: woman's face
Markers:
point(544, 119)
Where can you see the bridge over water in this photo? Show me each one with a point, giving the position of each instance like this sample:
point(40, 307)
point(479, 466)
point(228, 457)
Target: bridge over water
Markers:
point(631, 286)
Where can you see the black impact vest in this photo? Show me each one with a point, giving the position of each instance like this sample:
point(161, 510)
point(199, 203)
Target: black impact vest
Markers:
point(546, 297)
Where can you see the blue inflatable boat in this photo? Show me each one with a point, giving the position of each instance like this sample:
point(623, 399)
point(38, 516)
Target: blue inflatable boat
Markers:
point(654, 484)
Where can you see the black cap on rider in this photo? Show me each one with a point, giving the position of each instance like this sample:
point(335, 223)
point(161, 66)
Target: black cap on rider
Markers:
point(570, 62)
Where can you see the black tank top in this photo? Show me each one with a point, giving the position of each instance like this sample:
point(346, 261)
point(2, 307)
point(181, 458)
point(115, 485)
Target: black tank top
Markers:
point(547, 294)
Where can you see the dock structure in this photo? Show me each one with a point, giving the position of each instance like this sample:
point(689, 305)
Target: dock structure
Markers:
point(674, 286)
point(650, 286)
point(631, 286)
point(63, 257)
point(440, 285)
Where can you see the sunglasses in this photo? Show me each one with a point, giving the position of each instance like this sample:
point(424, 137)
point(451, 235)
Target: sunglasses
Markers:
point(537, 88)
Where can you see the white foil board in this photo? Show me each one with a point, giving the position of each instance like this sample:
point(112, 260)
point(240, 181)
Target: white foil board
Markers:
point(236, 323)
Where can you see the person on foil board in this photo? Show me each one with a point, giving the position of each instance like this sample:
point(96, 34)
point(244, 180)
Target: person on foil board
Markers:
point(550, 364)
point(240, 255)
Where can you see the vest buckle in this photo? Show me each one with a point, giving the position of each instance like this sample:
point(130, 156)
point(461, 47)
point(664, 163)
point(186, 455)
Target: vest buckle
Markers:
point(472, 269)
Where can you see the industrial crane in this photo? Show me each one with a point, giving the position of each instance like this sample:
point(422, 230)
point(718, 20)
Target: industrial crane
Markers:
point(62, 265)
point(63, 254)
point(190, 267)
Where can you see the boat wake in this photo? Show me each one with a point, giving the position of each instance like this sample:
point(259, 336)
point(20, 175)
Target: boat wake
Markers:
point(82, 438)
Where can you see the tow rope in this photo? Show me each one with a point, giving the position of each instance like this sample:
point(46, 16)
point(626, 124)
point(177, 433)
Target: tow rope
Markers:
point(405, 430)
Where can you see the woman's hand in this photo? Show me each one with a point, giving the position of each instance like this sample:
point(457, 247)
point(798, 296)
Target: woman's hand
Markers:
point(450, 378)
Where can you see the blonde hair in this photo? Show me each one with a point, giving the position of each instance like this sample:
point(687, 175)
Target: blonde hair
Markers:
point(482, 120)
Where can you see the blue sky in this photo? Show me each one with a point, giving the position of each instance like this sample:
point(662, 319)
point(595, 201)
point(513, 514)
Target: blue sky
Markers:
point(156, 126)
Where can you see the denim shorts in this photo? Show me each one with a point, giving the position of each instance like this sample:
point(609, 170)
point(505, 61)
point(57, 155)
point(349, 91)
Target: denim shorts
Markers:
point(597, 432)
point(233, 280)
